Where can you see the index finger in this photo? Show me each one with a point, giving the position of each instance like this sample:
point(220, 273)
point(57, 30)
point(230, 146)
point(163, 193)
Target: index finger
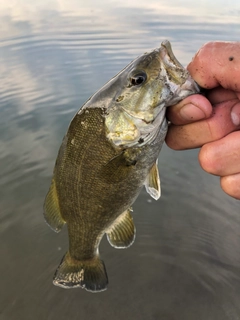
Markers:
point(217, 64)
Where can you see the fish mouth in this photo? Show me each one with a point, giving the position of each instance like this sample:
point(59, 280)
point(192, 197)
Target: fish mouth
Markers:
point(176, 77)
point(191, 85)
point(175, 72)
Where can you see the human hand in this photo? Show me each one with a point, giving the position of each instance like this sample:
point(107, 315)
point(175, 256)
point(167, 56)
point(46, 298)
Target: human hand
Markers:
point(212, 122)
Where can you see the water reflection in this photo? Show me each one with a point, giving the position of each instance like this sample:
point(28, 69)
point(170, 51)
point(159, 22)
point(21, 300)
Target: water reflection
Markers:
point(53, 56)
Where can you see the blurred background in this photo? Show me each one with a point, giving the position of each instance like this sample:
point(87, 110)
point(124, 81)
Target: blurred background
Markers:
point(54, 54)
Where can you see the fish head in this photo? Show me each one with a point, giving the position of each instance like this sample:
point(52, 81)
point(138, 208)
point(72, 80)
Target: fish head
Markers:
point(135, 100)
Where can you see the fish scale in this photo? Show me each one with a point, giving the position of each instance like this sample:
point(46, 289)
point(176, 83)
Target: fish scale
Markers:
point(98, 171)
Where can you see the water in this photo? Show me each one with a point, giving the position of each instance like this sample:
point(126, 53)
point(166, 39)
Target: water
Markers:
point(185, 261)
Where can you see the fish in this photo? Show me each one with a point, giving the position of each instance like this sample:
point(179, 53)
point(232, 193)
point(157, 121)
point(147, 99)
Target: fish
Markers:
point(108, 154)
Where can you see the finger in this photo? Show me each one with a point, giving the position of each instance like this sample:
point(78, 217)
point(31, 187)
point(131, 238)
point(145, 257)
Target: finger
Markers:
point(231, 185)
point(225, 119)
point(219, 94)
point(221, 157)
point(193, 108)
point(217, 63)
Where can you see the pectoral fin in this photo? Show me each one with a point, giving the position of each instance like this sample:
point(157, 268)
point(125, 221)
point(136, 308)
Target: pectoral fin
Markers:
point(51, 209)
point(121, 234)
point(152, 183)
point(117, 169)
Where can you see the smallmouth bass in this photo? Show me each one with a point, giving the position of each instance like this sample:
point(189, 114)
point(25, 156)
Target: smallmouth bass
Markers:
point(108, 153)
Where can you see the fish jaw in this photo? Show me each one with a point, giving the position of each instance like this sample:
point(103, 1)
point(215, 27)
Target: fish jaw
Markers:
point(178, 82)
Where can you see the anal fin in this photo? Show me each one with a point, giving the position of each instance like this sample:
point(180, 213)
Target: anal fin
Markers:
point(152, 183)
point(121, 234)
point(52, 213)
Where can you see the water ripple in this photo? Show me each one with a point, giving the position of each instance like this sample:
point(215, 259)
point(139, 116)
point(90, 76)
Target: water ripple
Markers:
point(53, 56)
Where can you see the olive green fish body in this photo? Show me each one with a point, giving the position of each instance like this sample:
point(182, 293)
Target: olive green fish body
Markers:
point(109, 152)
point(97, 182)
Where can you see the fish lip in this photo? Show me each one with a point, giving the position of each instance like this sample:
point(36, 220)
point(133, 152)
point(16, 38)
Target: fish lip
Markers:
point(190, 85)
point(167, 55)
point(188, 88)
point(180, 82)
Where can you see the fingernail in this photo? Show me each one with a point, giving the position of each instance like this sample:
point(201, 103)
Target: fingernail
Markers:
point(235, 115)
point(192, 113)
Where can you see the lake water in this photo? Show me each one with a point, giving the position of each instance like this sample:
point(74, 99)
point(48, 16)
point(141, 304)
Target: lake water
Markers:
point(185, 262)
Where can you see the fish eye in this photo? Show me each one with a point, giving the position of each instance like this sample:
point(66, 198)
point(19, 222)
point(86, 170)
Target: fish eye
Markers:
point(138, 78)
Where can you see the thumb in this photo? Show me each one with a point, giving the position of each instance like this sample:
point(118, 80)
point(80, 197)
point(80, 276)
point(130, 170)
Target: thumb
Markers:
point(225, 119)
point(192, 108)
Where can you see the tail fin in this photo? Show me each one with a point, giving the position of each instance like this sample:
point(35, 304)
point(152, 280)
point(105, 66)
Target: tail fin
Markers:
point(89, 274)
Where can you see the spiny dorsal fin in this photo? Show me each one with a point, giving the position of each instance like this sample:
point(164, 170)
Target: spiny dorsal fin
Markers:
point(121, 234)
point(152, 183)
point(52, 213)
